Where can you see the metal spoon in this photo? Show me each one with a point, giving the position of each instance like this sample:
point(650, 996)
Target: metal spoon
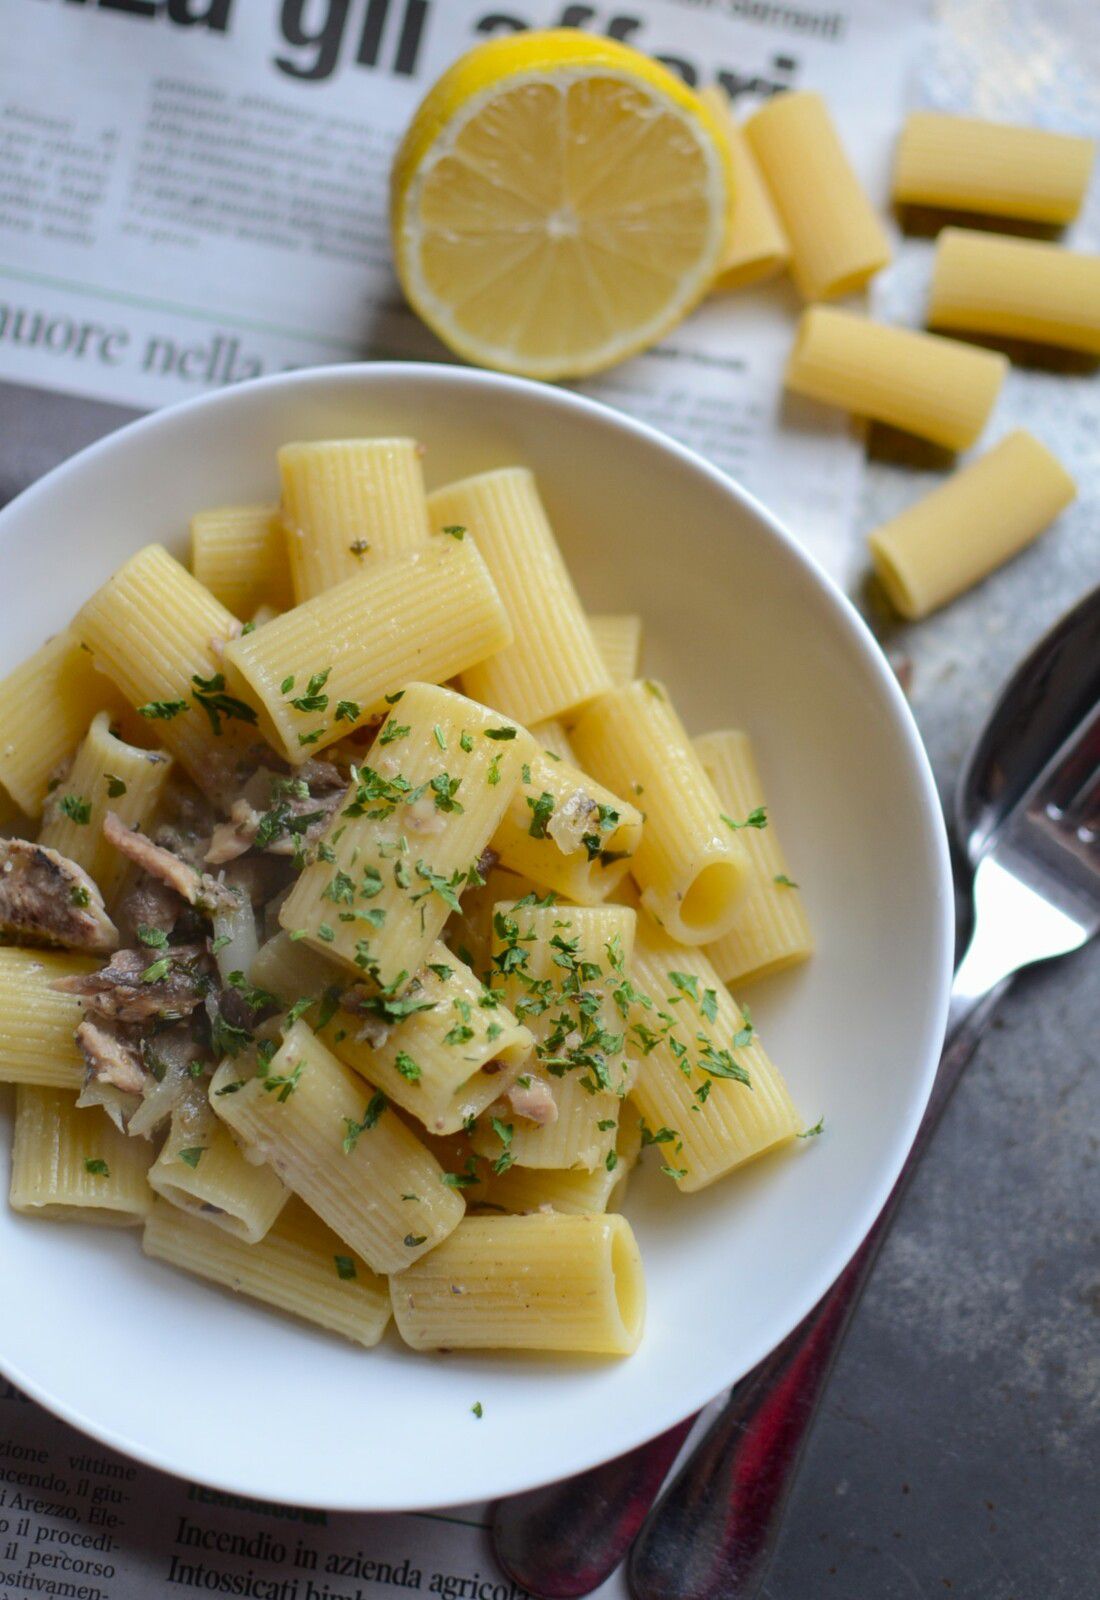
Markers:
point(564, 1540)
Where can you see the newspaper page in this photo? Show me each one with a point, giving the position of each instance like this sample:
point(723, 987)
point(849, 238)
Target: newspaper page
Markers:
point(193, 193)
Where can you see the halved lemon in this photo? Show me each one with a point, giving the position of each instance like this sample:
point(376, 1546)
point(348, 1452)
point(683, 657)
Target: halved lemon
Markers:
point(559, 202)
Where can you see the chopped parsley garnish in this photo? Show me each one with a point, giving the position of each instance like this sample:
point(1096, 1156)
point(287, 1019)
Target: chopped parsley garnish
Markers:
point(407, 1067)
point(157, 971)
point(413, 1239)
point(444, 788)
point(755, 819)
point(784, 882)
point(348, 711)
point(466, 741)
point(542, 810)
point(662, 1135)
point(503, 1131)
point(97, 1167)
point(359, 548)
point(77, 809)
point(155, 938)
point(500, 733)
point(439, 736)
point(612, 1161)
point(456, 530)
point(115, 786)
point(193, 1156)
point(812, 1133)
point(394, 731)
point(313, 699)
point(312, 738)
point(444, 887)
point(352, 1129)
point(79, 896)
point(345, 1267)
point(162, 710)
point(478, 1409)
point(210, 694)
point(653, 688)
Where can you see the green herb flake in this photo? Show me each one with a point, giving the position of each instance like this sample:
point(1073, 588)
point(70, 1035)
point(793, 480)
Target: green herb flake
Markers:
point(784, 882)
point(79, 896)
point(466, 741)
point(348, 711)
point(755, 819)
point(155, 938)
point(542, 810)
point(77, 809)
point(478, 1409)
point(500, 733)
point(359, 548)
point(375, 1107)
point(413, 1239)
point(812, 1133)
point(440, 737)
point(407, 1067)
point(162, 710)
point(157, 971)
point(210, 694)
point(115, 786)
point(97, 1167)
point(612, 1161)
point(345, 1267)
point(192, 1156)
point(394, 731)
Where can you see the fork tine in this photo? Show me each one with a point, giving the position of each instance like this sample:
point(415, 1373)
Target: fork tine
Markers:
point(1083, 811)
point(1068, 775)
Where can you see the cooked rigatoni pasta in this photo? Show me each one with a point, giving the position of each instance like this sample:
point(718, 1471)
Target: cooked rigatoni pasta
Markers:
point(37, 1023)
point(757, 246)
point(937, 388)
point(708, 1094)
point(691, 866)
point(1016, 289)
point(71, 1165)
point(107, 775)
point(239, 553)
point(772, 930)
point(337, 1145)
point(836, 240)
point(345, 500)
point(158, 633)
point(458, 1049)
point(998, 168)
point(324, 668)
point(561, 969)
point(619, 641)
point(409, 835)
point(565, 831)
point(46, 705)
point(545, 1282)
point(967, 527)
point(300, 1267)
point(364, 997)
point(553, 666)
point(201, 1170)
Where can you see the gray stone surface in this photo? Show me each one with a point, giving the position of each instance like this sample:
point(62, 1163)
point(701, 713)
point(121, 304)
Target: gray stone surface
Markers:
point(957, 1451)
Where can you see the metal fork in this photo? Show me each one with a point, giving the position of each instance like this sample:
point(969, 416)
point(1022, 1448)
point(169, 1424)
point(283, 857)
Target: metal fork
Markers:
point(1036, 896)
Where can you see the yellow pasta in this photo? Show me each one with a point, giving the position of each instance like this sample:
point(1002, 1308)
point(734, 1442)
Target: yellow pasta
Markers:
point(526, 1283)
point(46, 705)
point(938, 388)
point(836, 240)
point(691, 867)
point(705, 1120)
point(443, 1063)
point(772, 930)
point(426, 614)
point(345, 499)
point(158, 633)
point(757, 247)
point(551, 737)
point(1017, 289)
point(72, 1165)
point(239, 553)
point(522, 1190)
point(469, 933)
point(968, 164)
point(619, 641)
point(982, 516)
point(38, 1025)
point(300, 1267)
point(201, 1170)
point(107, 775)
point(402, 847)
point(553, 665)
point(565, 831)
point(559, 969)
point(340, 1148)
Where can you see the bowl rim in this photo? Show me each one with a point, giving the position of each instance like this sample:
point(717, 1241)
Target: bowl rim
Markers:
point(831, 1263)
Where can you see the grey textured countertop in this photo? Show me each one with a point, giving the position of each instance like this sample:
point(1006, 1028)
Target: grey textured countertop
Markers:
point(957, 1451)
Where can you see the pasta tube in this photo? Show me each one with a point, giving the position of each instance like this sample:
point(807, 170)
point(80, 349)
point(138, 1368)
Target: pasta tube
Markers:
point(301, 1267)
point(567, 832)
point(691, 867)
point(937, 388)
point(967, 527)
point(772, 930)
point(521, 1190)
point(157, 632)
point(619, 641)
point(561, 970)
point(107, 775)
point(201, 1170)
point(469, 933)
point(553, 665)
point(340, 1149)
point(399, 852)
point(46, 705)
point(1016, 289)
point(698, 1048)
point(239, 553)
point(346, 498)
point(460, 1049)
point(968, 164)
point(37, 1025)
point(837, 242)
point(526, 1283)
point(551, 737)
point(71, 1165)
point(757, 246)
point(324, 668)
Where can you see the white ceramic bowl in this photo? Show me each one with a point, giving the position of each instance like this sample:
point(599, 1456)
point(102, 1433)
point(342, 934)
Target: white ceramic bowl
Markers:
point(748, 633)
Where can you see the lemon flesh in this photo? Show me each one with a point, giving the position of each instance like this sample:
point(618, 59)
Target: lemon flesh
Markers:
point(559, 203)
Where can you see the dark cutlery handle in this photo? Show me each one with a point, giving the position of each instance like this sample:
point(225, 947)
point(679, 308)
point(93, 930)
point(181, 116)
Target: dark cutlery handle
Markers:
point(563, 1541)
point(713, 1533)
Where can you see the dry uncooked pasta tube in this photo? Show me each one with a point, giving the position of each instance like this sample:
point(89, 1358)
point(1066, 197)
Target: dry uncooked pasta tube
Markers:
point(1002, 170)
point(1017, 289)
point(757, 247)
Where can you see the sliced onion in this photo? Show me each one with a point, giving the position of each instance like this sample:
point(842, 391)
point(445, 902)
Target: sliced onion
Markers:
point(237, 924)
